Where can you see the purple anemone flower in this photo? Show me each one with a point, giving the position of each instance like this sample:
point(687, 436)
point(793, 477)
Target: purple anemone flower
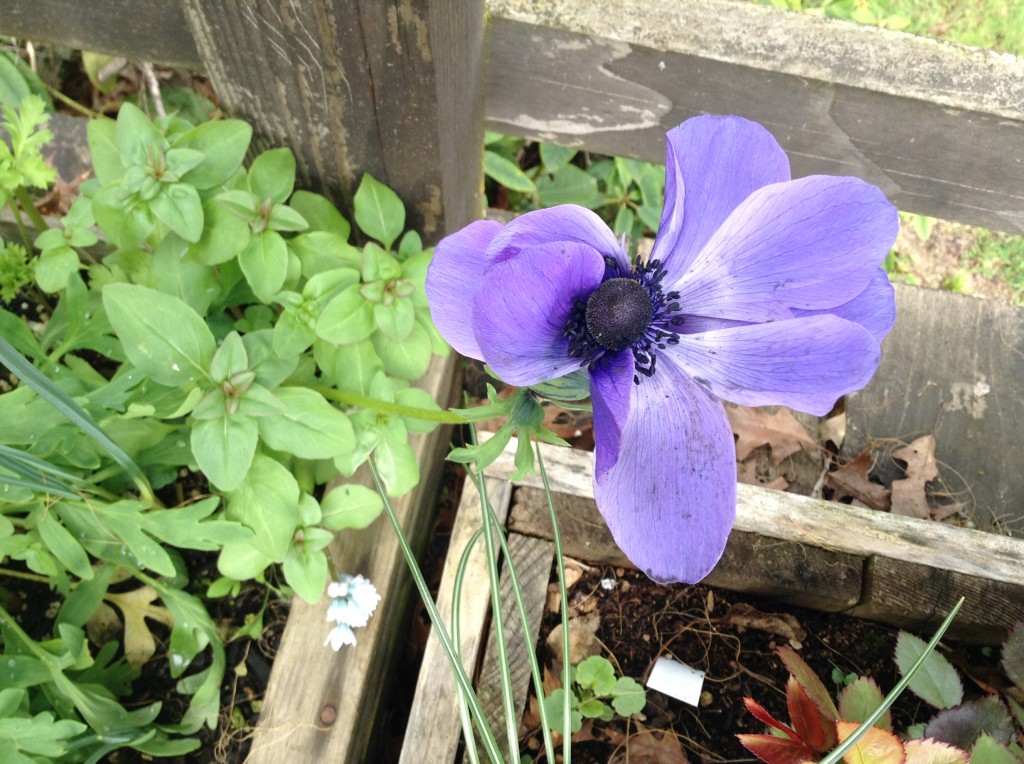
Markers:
point(760, 290)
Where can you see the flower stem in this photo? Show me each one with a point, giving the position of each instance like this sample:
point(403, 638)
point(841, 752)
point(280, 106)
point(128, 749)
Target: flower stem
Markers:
point(556, 537)
point(30, 210)
point(436, 621)
point(389, 407)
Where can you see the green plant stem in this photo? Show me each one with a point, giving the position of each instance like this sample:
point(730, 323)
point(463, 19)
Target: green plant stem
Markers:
point(837, 754)
point(74, 105)
point(30, 209)
point(464, 718)
point(22, 231)
point(366, 402)
point(498, 623)
point(435, 619)
point(531, 653)
point(556, 537)
point(25, 576)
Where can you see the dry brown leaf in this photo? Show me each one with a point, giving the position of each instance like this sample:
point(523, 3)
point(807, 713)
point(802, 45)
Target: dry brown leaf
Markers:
point(756, 427)
point(583, 641)
point(783, 625)
point(650, 746)
point(908, 496)
point(851, 481)
point(748, 472)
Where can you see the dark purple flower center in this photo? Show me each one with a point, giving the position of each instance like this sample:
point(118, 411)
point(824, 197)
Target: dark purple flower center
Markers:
point(626, 311)
point(618, 313)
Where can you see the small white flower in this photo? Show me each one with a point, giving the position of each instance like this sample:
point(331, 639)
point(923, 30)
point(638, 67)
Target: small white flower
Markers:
point(340, 635)
point(353, 601)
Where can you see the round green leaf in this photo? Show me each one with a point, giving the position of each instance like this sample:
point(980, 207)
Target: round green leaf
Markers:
point(321, 214)
point(224, 448)
point(267, 502)
point(225, 234)
point(507, 173)
point(265, 264)
point(272, 175)
point(408, 359)
point(379, 212)
point(223, 142)
point(308, 426)
point(161, 335)
point(346, 318)
point(936, 681)
point(350, 506)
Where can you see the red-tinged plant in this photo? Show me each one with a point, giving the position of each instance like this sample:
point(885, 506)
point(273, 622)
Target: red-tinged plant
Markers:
point(817, 726)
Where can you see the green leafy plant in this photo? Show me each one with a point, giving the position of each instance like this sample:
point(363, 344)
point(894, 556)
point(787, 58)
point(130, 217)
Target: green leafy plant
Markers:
point(627, 193)
point(595, 693)
point(983, 727)
point(208, 320)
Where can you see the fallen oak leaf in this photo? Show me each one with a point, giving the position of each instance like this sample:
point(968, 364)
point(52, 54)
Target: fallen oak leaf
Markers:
point(756, 427)
point(783, 625)
point(908, 495)
point(650, 746)
point(136, 606)
point(852, 481)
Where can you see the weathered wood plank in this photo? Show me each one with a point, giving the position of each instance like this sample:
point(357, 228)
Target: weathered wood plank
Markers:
point(913, 596)
point(321, 705)
point(814, 524)
point(936, 125)
point(433, 730)
point(533, 558)
point(951, 366)
point(155, 31)
point(389, 88)
point(787, 570)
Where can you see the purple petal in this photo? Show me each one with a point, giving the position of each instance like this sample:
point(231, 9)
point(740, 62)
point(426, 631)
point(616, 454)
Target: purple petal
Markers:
point(611, 385)
point(453, 277)
point(874, 308)
point(812, 244)
point(712, 164)
point(520, 310)
point(804, 363)
point(566, 222)
point(670, 497)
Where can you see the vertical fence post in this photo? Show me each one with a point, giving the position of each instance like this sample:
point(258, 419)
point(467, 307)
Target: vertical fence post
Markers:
point(388, 87)
point(392, 88)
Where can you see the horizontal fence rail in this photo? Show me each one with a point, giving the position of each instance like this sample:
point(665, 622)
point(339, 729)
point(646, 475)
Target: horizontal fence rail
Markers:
point(937, 126)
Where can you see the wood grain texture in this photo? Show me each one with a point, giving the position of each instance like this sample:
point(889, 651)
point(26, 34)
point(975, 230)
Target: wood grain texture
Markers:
point(966, 560)
point(914, 596)
point(533, 558)
point(321, 705)
point(787, 570)
point(433, 730)
point(937, 126)
point(386, 88)
point(951, 366)
point(154, 31)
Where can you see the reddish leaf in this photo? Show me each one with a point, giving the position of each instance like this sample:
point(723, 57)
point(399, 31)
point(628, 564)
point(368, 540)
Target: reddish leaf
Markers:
point(809, 681)
point(759, 712)
point(777, 750)
point(818, 732)
point(876, 746)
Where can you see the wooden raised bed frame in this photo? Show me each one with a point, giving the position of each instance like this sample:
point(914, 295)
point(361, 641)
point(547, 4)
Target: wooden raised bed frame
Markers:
point(403, 89)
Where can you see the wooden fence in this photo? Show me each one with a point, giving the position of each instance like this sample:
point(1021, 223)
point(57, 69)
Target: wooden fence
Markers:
point(404, 88)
